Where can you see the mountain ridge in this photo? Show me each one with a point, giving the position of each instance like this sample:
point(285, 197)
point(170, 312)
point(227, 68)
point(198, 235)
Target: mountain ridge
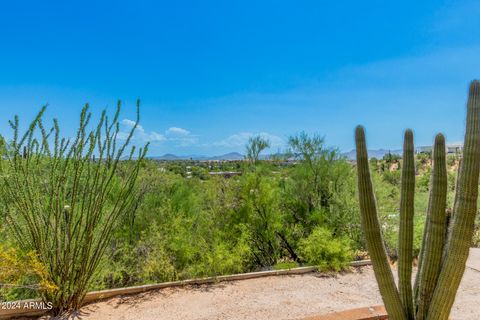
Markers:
point(173, 157)
point(231, 156)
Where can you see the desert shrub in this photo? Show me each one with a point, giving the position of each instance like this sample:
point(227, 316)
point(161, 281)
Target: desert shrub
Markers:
point(424, 158)
point(21, 275)
point(285, 265)
point(145, 262)
point(392, 177)
point(221, 257)
point(325, 251)
point(374, 164)
point(181, 228)
point(260, 211)
point(319, 190)
point(387, 196)
point(452, 179)
point(452, 159)
point(157, 265)
point(64, 197)
point(422, 182)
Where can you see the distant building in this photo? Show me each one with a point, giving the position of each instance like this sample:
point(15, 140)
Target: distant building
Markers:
point(424, 149)
point(450, 149)
point(454, 148)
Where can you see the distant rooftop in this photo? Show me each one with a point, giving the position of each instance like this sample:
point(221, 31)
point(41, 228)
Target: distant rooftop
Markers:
point(451, 148)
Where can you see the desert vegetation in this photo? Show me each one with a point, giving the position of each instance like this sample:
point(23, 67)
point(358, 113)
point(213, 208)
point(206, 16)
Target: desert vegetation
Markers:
point(91, 212)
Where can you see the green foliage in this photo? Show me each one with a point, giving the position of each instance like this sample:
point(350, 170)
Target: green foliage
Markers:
point(261, 211)
point(374, 164)
point(182, 228)
point(285, 265)
point(64, 197)
point(392, 177)
point(21, 273)
point(145, 261)
point(326, 252)
point(178, 221)
point(424, 158)
point(391, 158)
point(388, 198)
point(423, 181)
point(254, 147)
point(319, 191)
point(451, 160)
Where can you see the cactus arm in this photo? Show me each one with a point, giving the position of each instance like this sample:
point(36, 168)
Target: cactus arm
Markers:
point(373, 236)
point(405, 238)
point(429, 271)
point(461, 231)
point(421, 254)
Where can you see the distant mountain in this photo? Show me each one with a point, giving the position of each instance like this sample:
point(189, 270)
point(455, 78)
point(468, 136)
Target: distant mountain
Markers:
point(167, 157)
point(379, 153)
point(229, 156)
point(173, 157)
point(352, 155)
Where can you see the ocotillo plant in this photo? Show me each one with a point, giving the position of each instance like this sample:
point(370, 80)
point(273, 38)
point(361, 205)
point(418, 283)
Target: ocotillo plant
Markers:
point(445, 247)
point(64, 197)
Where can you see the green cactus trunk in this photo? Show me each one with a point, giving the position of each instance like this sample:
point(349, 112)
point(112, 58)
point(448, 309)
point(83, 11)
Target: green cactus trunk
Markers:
point(444, 251)
point(405, 238)
point(420, 260)
point(464, 211)
point(373, 235)
point(434, 234)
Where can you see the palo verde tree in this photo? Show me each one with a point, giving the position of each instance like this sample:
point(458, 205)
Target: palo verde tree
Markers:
point(254, 147)
point(260, 206)
point(321, 182)
point(317, 162)
point(64, 197)
point(445, 246)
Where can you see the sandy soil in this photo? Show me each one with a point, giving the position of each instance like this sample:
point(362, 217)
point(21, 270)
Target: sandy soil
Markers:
point(279, 297)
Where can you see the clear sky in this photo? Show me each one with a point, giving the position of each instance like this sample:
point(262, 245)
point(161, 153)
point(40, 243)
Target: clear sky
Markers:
point(212, 73)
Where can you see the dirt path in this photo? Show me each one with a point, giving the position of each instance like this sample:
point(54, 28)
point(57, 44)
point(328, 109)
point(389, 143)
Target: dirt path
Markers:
point(280, 297)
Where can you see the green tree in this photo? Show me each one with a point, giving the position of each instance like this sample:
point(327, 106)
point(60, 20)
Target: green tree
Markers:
point(254, 147)
point(318, 192)
point(260, 199)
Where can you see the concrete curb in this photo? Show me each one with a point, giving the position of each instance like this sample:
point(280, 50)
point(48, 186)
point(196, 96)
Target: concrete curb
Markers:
point(24, 307)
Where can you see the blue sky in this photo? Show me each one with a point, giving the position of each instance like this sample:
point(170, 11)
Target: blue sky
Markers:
point(212, 73)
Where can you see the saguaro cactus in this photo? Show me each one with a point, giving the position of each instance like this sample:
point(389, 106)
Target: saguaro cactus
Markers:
point(443, 254)
point(434, 234)
point(373, 235)
point(405, 238)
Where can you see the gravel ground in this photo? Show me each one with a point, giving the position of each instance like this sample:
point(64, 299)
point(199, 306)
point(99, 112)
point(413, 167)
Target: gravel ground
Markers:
point(277, 297)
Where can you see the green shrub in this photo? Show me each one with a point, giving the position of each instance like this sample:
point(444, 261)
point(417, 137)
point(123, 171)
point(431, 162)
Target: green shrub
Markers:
point(423, 180)
point(64, 197)
point(158, 267)
point(21, 275)
point(392, 177)
point(325, 251)
point(285, 265)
